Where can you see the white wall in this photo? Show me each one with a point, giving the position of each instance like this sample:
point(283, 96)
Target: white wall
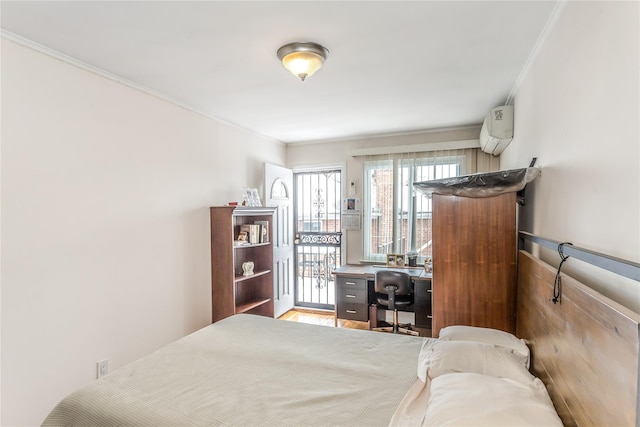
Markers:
point(577, 111)
point(105, 232)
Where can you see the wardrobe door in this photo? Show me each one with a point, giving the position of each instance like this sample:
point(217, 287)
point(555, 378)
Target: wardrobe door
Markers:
point(474, 261)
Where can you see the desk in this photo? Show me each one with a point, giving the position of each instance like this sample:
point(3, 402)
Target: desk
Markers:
point(355, 293)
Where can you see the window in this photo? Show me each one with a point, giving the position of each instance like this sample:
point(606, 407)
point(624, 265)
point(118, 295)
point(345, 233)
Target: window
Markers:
point(397, 217)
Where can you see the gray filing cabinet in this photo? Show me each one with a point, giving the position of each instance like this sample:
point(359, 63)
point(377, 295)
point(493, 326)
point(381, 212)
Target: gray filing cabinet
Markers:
point(352, 298)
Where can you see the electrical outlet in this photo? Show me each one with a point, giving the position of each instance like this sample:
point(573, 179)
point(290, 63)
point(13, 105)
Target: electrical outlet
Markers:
point(102, 368)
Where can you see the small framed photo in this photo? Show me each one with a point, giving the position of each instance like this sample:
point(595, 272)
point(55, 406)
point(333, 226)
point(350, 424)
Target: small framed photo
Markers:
point(391, 260)
point(351, 204)
point(255, 197)
point(242, 236)
point(395, 260)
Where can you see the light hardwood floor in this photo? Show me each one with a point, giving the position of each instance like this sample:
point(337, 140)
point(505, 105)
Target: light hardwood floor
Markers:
point(319, 317)
point(326, 318)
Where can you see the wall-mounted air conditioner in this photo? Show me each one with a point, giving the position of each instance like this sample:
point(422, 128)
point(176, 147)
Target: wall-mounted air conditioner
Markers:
point(497, 130)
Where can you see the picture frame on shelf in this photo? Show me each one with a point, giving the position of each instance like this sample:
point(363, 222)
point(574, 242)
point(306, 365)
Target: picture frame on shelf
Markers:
point(251, 197)
point(395, 260)
point(391, 260)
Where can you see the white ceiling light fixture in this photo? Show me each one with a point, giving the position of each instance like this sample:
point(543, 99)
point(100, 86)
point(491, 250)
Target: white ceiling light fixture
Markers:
point(302, 58)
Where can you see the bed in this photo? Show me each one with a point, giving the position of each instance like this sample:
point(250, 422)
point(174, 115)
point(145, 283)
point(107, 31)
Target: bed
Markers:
point(251, 370)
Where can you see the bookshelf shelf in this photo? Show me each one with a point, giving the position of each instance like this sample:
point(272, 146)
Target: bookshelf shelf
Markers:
point(253, 276)
point(250, 306)
point(249, 245)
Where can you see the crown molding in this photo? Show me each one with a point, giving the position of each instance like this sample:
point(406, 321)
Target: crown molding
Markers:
point(114, 77)
point(553, 18)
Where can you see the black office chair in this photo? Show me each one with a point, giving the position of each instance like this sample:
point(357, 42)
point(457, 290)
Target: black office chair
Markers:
point(393, 289)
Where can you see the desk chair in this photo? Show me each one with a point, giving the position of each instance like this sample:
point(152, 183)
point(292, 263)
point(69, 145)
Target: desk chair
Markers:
point(393, 289)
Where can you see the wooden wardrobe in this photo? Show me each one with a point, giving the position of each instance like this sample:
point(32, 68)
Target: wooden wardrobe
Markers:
point(474, 261)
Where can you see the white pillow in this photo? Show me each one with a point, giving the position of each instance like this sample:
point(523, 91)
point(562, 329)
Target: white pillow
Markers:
point(445, 357)
point(481, 400)
point(489, 336)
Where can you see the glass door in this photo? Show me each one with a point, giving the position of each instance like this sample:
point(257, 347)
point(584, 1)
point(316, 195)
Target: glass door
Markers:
point(318, 237)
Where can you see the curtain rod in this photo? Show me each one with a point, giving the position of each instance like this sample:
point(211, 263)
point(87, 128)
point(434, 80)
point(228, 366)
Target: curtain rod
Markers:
point(416, 148)
point(619, 266)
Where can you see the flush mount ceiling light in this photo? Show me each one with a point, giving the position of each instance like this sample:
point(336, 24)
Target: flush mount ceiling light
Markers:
point(302, 58)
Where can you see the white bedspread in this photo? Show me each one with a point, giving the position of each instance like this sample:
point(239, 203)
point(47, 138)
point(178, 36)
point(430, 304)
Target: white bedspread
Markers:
point(254, 371)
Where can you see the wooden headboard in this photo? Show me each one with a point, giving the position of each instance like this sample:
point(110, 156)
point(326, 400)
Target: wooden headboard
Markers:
point(585, 348)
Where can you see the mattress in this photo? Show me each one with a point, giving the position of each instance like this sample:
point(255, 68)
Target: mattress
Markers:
point(252, 370)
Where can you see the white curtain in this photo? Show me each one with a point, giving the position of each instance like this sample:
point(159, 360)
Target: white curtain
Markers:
point(397, 218)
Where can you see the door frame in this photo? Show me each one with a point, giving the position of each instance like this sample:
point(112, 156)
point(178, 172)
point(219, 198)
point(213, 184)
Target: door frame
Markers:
point(341, 167)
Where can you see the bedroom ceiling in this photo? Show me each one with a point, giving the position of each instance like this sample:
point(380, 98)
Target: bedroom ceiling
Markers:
point(393, 66)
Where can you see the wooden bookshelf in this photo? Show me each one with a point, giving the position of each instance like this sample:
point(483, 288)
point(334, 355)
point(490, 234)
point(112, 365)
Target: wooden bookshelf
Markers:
point(231, 291)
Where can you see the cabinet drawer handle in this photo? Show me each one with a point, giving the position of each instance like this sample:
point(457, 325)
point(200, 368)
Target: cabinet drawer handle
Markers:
point(349, 283)
point(429, 290)
point(351, 311)
point(429, 316)
point(350, 296)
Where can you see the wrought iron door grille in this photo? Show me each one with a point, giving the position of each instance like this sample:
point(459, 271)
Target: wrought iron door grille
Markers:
point(318, 236)
point(317, 256)
point(332, 239)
